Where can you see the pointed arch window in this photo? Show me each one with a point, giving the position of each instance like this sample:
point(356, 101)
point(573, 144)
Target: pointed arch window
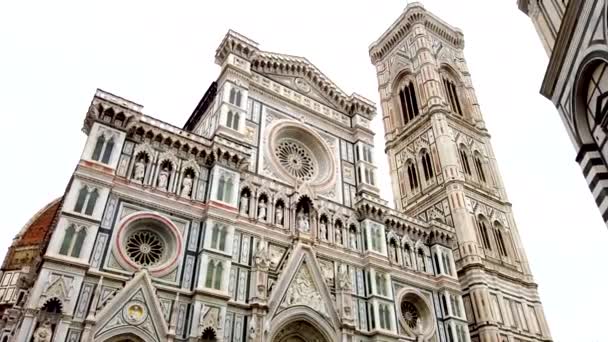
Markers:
point(412, 175)
point(479, 167)
point(213, 277)
point(73, 239)
point(500, 241)
point(102, 152)
point(483, 231)
point(235, 97)
point(464, 159)
point(224, 188)
point(408, 102)
point(452, 94)
point(87, 198)
point(427, 165)
point(218, 237)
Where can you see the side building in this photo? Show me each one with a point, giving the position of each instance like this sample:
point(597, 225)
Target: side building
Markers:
point(575, 36)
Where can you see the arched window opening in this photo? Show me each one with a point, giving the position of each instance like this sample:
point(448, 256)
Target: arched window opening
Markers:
point(229, 118)
point(101, 140)
point(412, 175)
point(452, 94)
point(232, 98)
point(502, 247)
point(67, 240)
point(479, 167)
point(447, 265)
point(450, 334)
point(408, 102)
point(92, 200)
point(427, 165)
point(221, 194)
point(219, 269)
point(82, 234)
point(235, 121)
point(215, 235)
point(464, 159)
point(444, 302)
point(483, 231)
point(210, 274)
point(82, 197)
point(107, 152)
point(436, 259)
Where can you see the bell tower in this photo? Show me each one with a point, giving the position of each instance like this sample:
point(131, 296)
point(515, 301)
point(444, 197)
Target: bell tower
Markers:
point(443, 168)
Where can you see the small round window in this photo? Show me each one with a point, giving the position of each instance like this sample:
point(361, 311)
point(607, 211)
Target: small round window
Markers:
point(410, 314)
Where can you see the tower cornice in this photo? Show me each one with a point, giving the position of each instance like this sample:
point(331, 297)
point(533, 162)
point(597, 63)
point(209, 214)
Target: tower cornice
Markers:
point(414, 13)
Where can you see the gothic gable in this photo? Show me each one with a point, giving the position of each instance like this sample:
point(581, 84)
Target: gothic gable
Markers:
point(135, 309)
point(304, 87)
point(301, 284)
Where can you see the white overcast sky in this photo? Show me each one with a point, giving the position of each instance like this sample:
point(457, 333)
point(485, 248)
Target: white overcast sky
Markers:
point(53, 55)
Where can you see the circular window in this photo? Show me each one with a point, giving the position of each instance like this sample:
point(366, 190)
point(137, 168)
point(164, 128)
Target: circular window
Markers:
point(296, 159)
point(410, 314)
point(415, 314)
point(148, 240)
point(301, 155)
point(145, 248)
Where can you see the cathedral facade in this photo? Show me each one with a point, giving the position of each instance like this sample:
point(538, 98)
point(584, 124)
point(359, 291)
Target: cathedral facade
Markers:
point(260, 219)
point(575, 36)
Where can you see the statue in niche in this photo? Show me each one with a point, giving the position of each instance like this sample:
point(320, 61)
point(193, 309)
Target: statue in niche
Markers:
point(163, 178)
point(303, 223)
point(353, 239)
point(339, 235)
point(186, 186)
point(261, 258)
point(252, 335)
point(43, 333)
point(262, 210)
point(323, 230)
point(140, 170)
point(408, 257)
point(279, 215)
point(421, 265)
point(244, 204)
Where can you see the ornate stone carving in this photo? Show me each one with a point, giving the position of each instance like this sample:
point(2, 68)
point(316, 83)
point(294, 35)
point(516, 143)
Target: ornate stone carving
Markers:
point(302, 291)
point(43, 333)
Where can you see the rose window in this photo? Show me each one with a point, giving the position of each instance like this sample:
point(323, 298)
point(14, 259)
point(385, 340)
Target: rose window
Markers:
point(145, 248)
point(296, 159)
point(410, 314)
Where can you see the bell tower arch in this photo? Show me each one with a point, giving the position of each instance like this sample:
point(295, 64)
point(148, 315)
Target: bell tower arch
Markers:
point(442, 165)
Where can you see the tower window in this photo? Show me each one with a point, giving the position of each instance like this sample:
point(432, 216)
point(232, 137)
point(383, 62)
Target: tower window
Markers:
point(483, 231)
point(218, 237)
point(427, 166)
point(452, 94)
point(213, 278)
point(409, 102)
point(500, 240)
point(479, 167)
point(224, 189)
point(412, 175)
point(464, 159)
